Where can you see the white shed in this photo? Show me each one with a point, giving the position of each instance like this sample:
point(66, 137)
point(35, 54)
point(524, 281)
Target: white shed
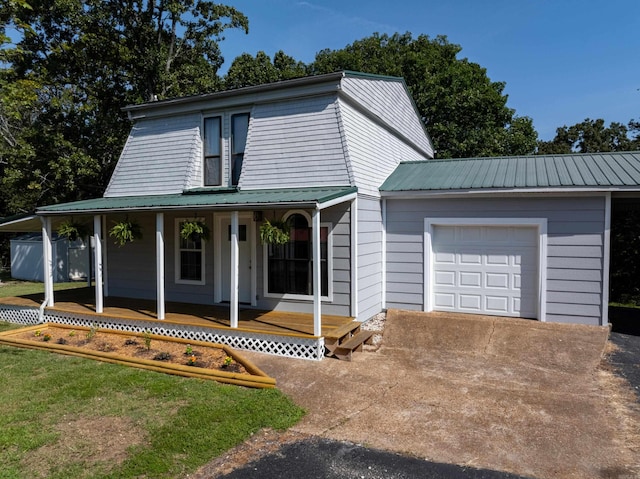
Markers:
point(70, 259)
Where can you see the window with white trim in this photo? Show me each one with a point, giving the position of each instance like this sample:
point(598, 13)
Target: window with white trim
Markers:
point(290, 266)
point(189, 256)
point(212, 140)
point(239, 131)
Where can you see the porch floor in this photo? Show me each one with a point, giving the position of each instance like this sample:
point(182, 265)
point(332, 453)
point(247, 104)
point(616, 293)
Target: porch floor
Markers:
point(82, 301)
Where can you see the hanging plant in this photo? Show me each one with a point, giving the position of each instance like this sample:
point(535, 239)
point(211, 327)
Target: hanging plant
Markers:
point(125, 231)
point(274, 232)
point(194, 230)
point(73, 230)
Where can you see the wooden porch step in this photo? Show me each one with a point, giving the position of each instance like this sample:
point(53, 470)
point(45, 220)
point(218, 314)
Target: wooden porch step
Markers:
point(339, 335)
point(354, 343)
point(344, 340)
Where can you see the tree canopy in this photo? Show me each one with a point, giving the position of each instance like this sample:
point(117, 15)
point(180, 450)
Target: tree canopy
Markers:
point(592, 136)
point(75, 65)
point(247, 70)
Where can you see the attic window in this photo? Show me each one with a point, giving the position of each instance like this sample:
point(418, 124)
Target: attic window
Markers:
point(212, 151)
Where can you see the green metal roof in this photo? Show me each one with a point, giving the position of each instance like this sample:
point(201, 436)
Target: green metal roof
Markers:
point(204, 198)
point(589, 170)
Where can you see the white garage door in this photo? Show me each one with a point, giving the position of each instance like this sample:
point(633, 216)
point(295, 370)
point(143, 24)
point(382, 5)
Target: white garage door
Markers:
point(485, 270)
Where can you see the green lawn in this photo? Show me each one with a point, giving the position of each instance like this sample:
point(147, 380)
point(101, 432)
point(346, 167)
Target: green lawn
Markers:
point(69, 417)
point(11, 287)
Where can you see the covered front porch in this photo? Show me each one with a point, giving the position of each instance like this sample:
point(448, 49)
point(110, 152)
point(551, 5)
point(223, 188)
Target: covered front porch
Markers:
point(273, 332)
point(213, 288)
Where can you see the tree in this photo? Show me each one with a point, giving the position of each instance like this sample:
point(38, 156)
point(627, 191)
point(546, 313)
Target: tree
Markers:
point(248, 71)
point(76, 64)
point(464, 111)
point(592, 136)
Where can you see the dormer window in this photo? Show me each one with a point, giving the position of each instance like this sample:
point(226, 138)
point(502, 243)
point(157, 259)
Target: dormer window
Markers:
point(212, 151)
point(239, 129)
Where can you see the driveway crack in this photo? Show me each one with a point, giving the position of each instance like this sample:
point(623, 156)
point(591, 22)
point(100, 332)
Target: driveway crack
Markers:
point(493, 329)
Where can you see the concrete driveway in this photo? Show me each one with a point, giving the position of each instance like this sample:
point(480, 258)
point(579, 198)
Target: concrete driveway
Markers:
point(505, 394)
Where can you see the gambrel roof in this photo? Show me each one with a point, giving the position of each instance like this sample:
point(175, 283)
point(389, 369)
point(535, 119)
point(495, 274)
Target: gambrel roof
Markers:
point(338, 129)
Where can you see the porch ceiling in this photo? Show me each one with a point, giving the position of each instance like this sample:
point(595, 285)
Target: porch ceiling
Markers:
point(208, 199)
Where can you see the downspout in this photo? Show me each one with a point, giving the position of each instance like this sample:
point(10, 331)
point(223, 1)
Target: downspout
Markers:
point(46, 259)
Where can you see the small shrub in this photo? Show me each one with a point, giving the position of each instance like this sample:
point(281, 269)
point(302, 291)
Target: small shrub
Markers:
point(46, 337)
point(227, 361)
point(72, 333)
point(92, 332)
point(147, 339)
point(164, 356)
point(131, 342)
point(37, 333)
point(61, 341)
point(188, 350)
point(192, 361)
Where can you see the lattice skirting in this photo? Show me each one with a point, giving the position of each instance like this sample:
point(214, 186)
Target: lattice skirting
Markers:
point(19, 314)
point(292, 347)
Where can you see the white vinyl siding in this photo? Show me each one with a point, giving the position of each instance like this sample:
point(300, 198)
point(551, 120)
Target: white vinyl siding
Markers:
point(390, 101)
point(373, 151)
point(159, 157)
point(295, 144)
point(369, 257)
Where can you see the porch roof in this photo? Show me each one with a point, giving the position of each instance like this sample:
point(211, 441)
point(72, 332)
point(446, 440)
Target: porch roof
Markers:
point(202, 198)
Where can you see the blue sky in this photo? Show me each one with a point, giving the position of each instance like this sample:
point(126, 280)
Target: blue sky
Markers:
point(562, 60)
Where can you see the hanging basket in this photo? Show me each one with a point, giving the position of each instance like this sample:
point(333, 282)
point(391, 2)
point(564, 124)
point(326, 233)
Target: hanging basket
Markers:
point(73, 230)
point(194, 230)
point(125, 232)
point(274, 232)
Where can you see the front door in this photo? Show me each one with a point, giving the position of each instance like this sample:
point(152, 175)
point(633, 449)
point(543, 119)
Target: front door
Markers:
point(244, 256)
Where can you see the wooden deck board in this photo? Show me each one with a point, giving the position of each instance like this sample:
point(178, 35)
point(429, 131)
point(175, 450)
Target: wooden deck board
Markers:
point(81, 301)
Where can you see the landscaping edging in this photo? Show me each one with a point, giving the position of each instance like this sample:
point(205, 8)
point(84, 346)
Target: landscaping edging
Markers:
point(255, 378)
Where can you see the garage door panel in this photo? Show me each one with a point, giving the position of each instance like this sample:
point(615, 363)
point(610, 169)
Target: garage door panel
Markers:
point(497, 280)
point(470, 302)
point(469, 258)
point(445, 278)
point(486, 269)
point(444, 257)
point(497, 304)
point(445, 300)
point(444, 235)
point(468, 278)
point(498, 259)
point(468, 234)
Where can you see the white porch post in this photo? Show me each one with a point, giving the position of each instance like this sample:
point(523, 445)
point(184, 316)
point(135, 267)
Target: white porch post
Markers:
point(235, 261)
point(105, 260)
point(317, 276)
point(47, 256)
point(97, 240)
point(160, 265)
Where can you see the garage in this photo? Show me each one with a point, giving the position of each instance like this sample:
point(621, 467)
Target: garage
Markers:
point(484, 269)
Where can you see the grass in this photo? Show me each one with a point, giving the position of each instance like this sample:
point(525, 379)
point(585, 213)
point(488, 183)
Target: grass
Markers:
point(181, 423)
point(12, 287)
point(22, 288)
